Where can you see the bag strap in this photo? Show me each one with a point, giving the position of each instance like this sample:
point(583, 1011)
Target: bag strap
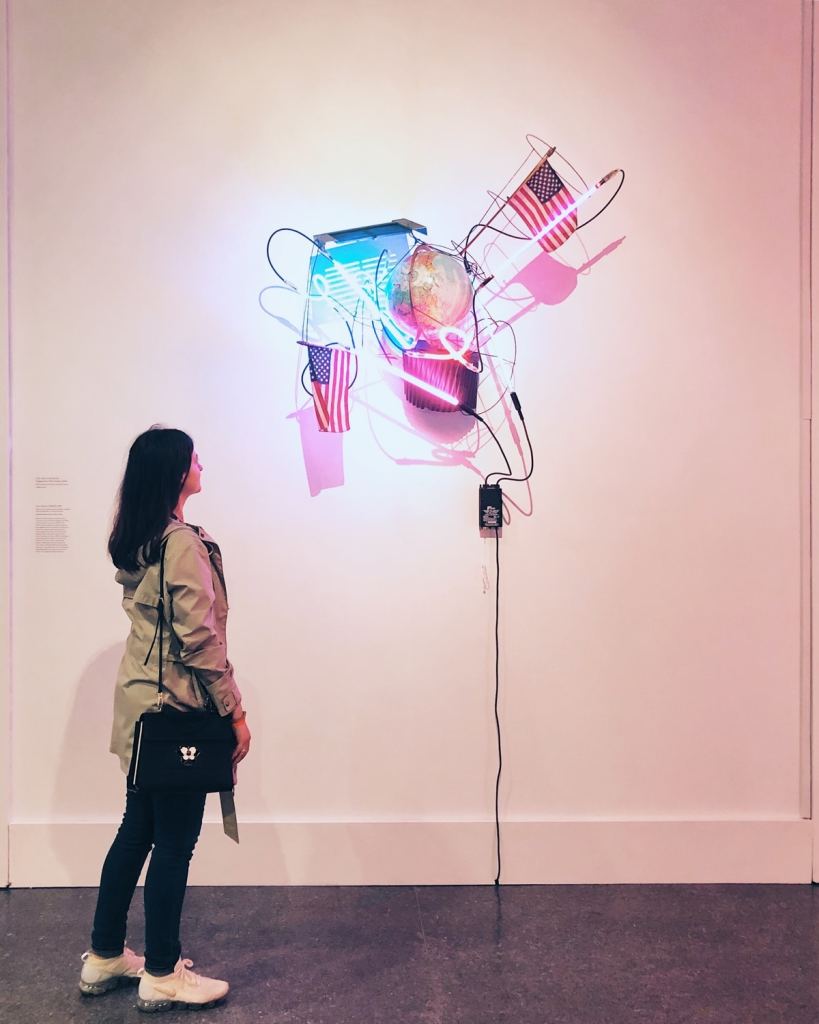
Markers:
point(160, 621)
point(160, 629)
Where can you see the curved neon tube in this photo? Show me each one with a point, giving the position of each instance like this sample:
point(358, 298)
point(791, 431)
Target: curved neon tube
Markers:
point(429, 388)
point(369, 301)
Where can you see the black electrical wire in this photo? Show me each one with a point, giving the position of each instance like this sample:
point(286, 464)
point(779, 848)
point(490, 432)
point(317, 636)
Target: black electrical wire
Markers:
point(501, 203)
point(304, 386)
point(608, 204)
point(519, 479)
point(507, 234)
point(307, 367)
point(294, 231)
point(305, 318)
point(522, 479)
point(471, 412)
point(519, 410)
point(476, 322)
point(355, 375)
point(490, 227)
point(306, 314)
point(497, 693)
point(514, 360)
point(381, 256)
point(350, 331)
point(387, 356)
point(336, 305)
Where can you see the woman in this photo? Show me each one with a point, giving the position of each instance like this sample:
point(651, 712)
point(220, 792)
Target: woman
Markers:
point(162, 472)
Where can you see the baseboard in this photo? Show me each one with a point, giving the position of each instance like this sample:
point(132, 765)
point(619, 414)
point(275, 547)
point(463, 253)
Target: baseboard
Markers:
point(444, 853)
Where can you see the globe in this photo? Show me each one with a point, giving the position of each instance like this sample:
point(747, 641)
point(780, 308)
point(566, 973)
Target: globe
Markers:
point(429, 290)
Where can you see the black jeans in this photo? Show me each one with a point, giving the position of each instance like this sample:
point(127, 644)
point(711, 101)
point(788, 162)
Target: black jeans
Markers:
point(170, 822)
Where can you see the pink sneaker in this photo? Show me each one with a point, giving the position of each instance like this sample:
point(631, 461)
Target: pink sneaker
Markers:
point(181, 990)
point(99, 975)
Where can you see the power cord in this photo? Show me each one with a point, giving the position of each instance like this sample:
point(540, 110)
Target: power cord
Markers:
point(469, 411)
point(608, 202)
point(518, 479)
point(490, 227)
point(293, 231)
point(497, 693)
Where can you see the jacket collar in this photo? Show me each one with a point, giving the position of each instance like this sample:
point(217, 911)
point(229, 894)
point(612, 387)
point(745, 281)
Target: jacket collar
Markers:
point(175, 525)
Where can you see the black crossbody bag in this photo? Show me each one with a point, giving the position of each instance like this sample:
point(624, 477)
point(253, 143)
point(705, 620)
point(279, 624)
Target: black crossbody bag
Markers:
point(180, 751)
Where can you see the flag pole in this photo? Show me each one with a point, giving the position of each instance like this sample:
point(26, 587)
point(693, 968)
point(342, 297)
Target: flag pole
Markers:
point(468, 241)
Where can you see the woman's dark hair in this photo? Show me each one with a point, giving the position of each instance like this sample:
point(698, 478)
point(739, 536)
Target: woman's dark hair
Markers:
point(158, 465)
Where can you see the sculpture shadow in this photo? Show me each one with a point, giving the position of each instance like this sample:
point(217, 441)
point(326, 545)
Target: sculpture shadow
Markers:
point(281, 320)
point(546, 281)
point(322, 453)
point(88, 784)
point(442, 429)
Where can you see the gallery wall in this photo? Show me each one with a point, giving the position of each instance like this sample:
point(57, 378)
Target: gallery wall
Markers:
point(810, 298)
point(5, 466)
point(653, 699)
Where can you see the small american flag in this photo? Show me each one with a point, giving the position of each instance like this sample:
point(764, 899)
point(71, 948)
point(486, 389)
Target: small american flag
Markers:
point(330, 377)
point(540, 201)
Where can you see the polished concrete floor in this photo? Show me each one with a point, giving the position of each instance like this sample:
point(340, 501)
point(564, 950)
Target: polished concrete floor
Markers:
point(602, 954)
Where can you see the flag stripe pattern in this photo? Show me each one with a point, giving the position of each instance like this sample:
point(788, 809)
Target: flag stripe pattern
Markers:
point(541, 201)
point(330, 377)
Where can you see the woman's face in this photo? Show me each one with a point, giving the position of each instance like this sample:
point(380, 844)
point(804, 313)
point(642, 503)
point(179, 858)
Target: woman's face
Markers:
point(193, 481)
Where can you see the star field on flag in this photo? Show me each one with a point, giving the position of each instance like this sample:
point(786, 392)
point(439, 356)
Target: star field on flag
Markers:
point(542, 202)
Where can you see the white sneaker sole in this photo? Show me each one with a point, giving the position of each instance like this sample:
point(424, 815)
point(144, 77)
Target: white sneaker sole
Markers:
point(99, 988)
point(158, 1005)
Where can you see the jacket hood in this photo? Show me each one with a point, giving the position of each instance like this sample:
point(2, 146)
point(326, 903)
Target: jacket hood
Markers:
point(131, 579)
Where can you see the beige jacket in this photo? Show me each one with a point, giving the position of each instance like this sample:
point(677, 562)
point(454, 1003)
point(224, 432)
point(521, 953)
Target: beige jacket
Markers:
point(194, 651)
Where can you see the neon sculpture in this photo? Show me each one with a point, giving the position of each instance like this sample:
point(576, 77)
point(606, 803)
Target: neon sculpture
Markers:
point(417, 304)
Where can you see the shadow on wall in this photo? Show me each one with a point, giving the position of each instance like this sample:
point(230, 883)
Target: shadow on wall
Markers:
point(545, 280)
point(443, 430)
point(90, 785)
point(323, 453)
point(253, 787)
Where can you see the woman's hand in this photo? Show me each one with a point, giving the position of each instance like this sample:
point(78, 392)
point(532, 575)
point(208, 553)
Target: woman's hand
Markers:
point(242, 734)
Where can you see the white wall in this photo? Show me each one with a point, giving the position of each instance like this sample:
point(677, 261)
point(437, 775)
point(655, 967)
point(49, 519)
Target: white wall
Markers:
point(651, 604)
point(810, 222)
point(5, 452)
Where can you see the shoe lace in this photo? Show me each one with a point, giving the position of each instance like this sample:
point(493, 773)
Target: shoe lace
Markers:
point(183, 972)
